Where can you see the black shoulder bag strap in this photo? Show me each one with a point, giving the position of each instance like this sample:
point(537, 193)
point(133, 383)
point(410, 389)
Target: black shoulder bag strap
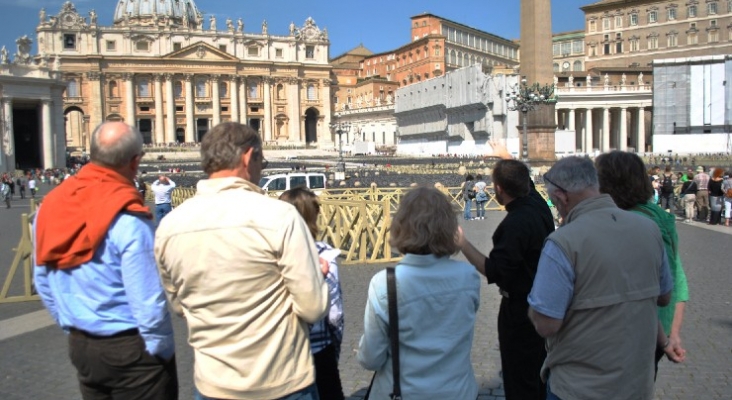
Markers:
point(393, 336)
point(394, 331)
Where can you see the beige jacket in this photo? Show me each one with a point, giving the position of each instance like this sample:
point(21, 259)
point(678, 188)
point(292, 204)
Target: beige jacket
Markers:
point(243, 270)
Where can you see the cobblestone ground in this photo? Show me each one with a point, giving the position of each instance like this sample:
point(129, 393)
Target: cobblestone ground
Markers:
point(35, 365)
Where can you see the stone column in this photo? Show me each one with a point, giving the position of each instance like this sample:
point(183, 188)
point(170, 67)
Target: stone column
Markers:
point(96, 99)
point(605, 129)
point(159, 113)
point(216, 97)
point(623, 145)
point(130, 98)
point(323, 132)
point(293, 99)
point(190, 126)
point(267, 134)
point(8, 142)
point(571, 122)
point(641, 130)
point(170, 109)
point(234, 96)
point(48, 159)
point(588, 131)
point(243, 97)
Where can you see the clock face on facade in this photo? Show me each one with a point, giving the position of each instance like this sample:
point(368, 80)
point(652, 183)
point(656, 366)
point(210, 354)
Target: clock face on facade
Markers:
point(67, 19)
point(566, 65)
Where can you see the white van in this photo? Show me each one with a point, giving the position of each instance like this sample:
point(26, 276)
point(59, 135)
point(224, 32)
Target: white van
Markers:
point(280, 182)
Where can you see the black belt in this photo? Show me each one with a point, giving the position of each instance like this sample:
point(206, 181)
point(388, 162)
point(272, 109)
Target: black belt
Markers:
point(128, 332)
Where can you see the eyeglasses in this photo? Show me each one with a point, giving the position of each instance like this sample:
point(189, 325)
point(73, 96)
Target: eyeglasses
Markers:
point(555, 185)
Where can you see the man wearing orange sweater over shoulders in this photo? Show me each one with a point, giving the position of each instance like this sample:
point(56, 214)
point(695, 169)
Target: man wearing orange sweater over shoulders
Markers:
point(96, 275)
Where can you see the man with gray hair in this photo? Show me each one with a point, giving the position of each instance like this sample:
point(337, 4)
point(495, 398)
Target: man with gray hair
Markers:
point(594, 298)
point(96, 274)
point(243, 269)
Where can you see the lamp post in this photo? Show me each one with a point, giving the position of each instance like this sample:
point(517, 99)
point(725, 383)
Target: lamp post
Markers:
point(340, 128)
point(525, 98)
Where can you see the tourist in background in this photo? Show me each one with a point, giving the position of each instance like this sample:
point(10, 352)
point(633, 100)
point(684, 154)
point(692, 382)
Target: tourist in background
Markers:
point(481, 197)
point(666, 186)
point(5, 192)
point(244, 270)
point(437, 301)
point(688, 197)
point(702, 195)
point(326, 335)
point(620, 175)
point(21, 182)
point(162, 189)
point(716, 196)
point(96, 275)
point(727, 189)
point(32, 186)
point(468, 196)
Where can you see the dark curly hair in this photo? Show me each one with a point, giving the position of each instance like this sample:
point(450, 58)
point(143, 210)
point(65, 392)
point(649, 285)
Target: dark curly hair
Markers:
point(623, 176)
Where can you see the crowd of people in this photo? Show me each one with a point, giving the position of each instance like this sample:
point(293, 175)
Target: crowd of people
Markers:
point(700, 195)
point(263, 303)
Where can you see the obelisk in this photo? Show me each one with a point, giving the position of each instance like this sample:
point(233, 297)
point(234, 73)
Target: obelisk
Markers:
point(536, 67)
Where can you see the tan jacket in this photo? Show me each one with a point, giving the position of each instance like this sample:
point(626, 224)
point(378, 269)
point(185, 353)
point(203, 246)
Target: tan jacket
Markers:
point(243, 270)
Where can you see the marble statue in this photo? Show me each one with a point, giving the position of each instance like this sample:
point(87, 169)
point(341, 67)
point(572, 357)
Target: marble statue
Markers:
point(556, 81)
point(93, 17)
point(623, 79)
point(240, 25)
point(229, 25)
point(607, 80)
point(292, 28)
point(3, 56)
point(42, 15)
point(264, 27)
point(212, 23)
point(589, 80)
point(571, 80)
point(640, 79)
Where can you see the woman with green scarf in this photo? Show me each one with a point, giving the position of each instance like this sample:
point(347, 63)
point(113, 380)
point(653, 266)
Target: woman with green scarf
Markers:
point(622, 176)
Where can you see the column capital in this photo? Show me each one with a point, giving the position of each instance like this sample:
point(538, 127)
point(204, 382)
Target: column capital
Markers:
point(293, 80)
point(234, 78)
point(169, 77)
point(188, 77)
point(215, 77)
point(46, 102)
point(94, 75)
point(7, 100)
point(128, 76)
point(158, 77)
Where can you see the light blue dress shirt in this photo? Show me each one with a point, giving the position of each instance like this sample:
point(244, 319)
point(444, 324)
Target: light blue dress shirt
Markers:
point(117, 290)
point(438, 299)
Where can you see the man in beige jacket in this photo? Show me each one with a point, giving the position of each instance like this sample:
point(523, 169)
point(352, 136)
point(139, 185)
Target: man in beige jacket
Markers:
point(243, 270)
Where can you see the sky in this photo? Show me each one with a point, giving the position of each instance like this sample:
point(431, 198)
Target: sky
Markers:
point(380, 25)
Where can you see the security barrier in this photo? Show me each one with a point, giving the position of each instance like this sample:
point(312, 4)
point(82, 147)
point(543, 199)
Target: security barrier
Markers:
point(23, 256)
point(357, 220)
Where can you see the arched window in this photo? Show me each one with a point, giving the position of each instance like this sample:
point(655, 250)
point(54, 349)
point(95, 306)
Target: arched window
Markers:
point(312, 95)
point(143, 87)
point(453, 59)
point(556, 67)
point(280, 92)
point(178, 89)
point(472, 60)
point(72, 89)
point(223, 90)
point(577, 65)
point(201, 88)
point(466, 60)
point(113, 89)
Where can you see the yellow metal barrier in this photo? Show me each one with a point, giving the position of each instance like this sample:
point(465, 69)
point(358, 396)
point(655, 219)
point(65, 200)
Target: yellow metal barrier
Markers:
point(23, 255)
point(357, 220)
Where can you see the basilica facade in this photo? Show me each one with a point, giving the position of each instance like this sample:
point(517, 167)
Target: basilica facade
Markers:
point(164, 68)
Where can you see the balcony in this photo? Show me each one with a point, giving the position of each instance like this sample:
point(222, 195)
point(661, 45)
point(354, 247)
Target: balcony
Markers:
point(73, 100)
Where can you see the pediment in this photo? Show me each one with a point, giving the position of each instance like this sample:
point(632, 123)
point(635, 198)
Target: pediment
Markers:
point(200, 51)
